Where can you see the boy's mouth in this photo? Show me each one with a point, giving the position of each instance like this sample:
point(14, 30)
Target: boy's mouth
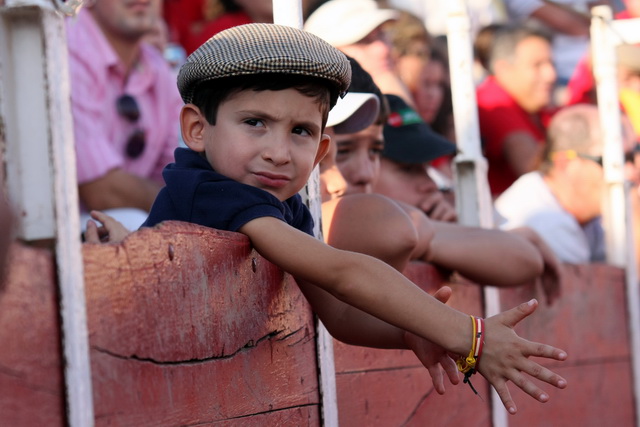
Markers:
point(272, 180)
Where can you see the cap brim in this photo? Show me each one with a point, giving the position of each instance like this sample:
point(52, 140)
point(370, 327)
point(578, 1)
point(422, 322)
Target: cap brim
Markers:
point(416, 143)
point(353, 113)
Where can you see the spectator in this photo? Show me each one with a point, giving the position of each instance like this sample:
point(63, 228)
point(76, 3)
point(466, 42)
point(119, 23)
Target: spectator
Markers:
point(629, 82)
point(410, 146)
point(482, 45)
point(562, 201)
point(219, 15)
point(358, 159)
point(404, 175)
point(581, 87)
point(356, 27)
point(513, 104)
point(125, 108)
point(567, 21)
point(410, 47)
point(435, 13)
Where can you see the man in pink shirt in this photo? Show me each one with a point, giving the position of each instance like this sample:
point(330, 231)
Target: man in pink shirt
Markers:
point(125, 106)
point(513, 104)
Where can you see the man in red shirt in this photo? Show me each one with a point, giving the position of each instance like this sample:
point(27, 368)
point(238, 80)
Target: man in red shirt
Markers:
point(513, 104)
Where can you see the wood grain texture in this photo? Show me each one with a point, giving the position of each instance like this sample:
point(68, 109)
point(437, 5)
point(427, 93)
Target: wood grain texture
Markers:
point(189, 325)
point(31, 367)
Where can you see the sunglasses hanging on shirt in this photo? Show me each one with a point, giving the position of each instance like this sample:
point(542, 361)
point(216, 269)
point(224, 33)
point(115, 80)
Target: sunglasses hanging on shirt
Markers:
point(127, 107)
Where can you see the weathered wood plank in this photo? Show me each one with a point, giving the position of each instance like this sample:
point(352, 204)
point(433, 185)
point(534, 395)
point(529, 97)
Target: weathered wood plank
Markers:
point(31, 369)
point(183, 331)
point(391, 387)
point(190, 325)
point(588, 320)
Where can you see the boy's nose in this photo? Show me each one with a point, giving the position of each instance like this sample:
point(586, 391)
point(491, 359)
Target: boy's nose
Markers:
point(277, 151)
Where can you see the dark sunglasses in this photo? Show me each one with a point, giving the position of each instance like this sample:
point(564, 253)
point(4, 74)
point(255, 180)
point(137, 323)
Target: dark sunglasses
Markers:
point(127, 107)
point(628, 157)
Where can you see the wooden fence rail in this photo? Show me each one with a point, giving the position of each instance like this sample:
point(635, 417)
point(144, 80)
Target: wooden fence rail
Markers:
point(190, 326)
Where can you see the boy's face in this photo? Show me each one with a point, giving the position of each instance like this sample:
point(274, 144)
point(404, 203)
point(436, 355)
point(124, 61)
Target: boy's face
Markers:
point(266, 139)
point(358, 158)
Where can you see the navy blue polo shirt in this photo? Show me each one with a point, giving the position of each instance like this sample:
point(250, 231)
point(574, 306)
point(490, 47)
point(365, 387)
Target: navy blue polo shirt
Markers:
point(195, 193)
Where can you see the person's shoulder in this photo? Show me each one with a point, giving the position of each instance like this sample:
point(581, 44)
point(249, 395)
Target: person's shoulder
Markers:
point(87, 45)
point(155, 59)
point(490, 94)
point(524, 191)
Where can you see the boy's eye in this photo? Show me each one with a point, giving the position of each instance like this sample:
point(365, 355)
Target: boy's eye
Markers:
point(254, 122)
point(301, 131)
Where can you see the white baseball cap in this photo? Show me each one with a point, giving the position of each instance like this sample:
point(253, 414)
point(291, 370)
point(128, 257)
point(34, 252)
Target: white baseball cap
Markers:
point(343, 22)
point(353, 113)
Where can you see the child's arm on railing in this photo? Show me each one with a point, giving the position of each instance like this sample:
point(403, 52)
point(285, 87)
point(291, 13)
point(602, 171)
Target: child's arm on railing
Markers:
point(370, 285)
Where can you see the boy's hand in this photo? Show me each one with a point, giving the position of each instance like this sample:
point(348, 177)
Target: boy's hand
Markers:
point(433, 356)
point(506, 357)
point(111, 231)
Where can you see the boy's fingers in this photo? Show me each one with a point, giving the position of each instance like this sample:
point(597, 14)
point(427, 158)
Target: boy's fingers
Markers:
point(505, 397)
point(544, 374)
point(529, 387)
point(443, 294)
point(436, 378)
point(512, 317)
point(98, 215)
point(91, 233)
point(451, 369)
point(545, 350)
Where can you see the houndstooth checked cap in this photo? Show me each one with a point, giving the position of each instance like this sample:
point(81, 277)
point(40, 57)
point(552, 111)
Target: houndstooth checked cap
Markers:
point(261, 49)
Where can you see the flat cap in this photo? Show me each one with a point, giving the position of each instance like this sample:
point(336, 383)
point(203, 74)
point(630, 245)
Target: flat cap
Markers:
point(262, 49)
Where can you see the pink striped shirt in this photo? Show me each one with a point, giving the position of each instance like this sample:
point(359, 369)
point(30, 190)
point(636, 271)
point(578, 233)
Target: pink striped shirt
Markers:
point(97, 80)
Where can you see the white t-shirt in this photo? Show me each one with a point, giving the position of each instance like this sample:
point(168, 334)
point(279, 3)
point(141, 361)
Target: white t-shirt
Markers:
point(529, 202)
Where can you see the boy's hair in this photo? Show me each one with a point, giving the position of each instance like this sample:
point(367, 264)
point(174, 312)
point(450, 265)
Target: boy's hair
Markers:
point(210, 94)
point(265, 51)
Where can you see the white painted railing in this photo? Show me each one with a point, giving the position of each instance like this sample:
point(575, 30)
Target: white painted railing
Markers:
point(40, 166)
point(606, 34)
point(473, 197)
point(289, 12)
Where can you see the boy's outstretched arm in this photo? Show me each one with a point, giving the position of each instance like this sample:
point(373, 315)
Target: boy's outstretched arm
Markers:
point(374, 287)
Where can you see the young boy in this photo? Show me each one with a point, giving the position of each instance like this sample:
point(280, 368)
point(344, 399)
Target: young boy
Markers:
point(257, 98)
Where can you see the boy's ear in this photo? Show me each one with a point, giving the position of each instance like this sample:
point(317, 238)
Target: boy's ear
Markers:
point(192, 125)
point(323, 148)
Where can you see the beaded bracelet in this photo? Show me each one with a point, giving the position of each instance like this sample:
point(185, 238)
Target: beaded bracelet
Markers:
point(469, 365)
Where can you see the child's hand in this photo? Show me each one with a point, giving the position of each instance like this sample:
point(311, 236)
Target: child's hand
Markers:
point(433, 356)
point(505, 357)
point(111, 231)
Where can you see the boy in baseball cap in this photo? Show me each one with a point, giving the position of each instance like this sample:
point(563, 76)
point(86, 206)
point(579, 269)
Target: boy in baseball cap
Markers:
point(257, 98)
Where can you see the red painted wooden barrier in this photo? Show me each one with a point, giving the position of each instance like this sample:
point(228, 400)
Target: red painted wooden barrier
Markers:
point(189, 325)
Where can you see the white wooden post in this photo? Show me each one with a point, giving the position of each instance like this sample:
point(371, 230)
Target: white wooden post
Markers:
point(473, 198)
point(606, 34)
point(603, 43)
point(289, 12)
point(36, 123)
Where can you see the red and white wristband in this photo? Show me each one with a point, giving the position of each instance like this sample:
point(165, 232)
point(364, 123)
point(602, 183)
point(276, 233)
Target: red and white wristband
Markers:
point(469, 365)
